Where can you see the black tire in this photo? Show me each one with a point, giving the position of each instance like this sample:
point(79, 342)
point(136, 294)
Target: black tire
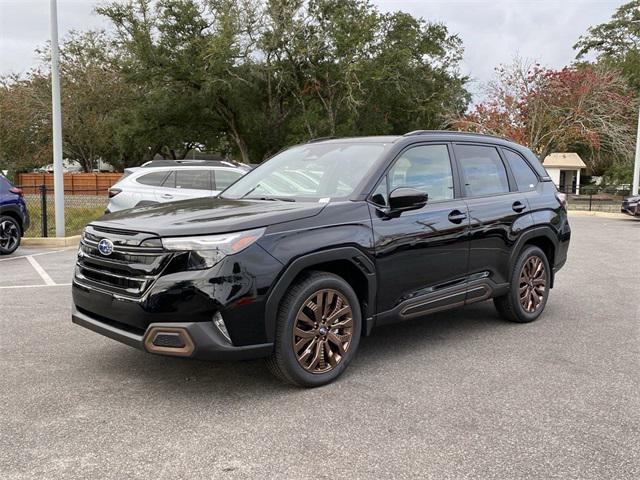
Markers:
point(284, 362)
point(510, 305)
point(10, 235)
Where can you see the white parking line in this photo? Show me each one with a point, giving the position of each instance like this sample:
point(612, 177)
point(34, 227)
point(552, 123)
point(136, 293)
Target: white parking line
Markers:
point(36, 286)
point(44, 275)
point(36, 254)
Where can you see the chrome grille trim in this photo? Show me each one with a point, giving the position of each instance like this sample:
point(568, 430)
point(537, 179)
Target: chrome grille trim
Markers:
point(129, 271)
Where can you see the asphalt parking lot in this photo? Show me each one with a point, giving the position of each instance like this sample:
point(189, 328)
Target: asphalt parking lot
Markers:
point(460, 394)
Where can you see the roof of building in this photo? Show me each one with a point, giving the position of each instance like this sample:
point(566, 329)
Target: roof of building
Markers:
point(564, 160)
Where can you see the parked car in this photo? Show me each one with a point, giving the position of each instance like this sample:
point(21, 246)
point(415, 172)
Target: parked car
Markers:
point(631, 206)
point(14, 216)
point(160, 181)
point(393, 228)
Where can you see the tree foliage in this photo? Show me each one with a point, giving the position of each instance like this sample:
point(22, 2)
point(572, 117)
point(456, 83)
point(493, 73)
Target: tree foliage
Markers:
point(617, 42)
point(252, 77)
point(240, 77)
point(588, 109)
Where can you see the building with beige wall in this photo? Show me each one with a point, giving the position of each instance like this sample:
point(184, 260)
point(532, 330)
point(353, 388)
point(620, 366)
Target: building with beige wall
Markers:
point(564, 170)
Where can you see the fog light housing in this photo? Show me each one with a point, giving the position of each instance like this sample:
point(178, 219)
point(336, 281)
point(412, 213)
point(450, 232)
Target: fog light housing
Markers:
point(218, 321)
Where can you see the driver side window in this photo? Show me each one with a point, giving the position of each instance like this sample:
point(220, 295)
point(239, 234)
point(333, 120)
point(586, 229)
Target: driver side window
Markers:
point(426, 168)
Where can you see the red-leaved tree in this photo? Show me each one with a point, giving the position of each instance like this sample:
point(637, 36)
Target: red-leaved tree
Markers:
point(582, 108)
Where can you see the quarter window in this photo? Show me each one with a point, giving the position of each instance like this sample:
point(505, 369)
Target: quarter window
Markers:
point(153, 179)
point(426, 168)
point(380, 194)
point(525, 178)
point(483, 172)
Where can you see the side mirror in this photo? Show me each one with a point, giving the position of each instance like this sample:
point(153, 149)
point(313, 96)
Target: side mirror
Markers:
point(402, 199)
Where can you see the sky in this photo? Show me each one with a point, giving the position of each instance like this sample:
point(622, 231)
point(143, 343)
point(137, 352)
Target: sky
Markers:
point(492, 31)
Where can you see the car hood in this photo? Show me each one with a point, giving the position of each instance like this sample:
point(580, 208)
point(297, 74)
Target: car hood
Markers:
point(201, 216)
point(633, 199)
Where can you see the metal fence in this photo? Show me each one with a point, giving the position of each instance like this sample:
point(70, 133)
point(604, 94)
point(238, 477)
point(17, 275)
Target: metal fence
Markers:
point(593, 198)
point(84, 205)
point(81, 207)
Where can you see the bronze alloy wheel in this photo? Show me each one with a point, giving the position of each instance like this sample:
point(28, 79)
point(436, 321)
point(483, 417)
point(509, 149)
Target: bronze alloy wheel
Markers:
point(322, 331)
point(533, 284)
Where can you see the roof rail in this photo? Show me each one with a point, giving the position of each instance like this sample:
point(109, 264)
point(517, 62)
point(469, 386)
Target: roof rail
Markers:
point(454, 132)
point(189, 162)
point(320, 139)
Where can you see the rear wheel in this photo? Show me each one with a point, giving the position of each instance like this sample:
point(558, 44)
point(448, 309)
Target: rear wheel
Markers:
point(318, 331)
point(9, 235)
point(529, 290)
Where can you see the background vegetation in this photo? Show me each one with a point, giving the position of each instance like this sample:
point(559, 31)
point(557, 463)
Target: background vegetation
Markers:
point(246, 78)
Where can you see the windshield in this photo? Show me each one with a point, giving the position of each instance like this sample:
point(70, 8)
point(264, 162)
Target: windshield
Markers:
point(310, 172)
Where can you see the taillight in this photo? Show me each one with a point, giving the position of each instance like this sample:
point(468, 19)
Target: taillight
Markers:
point(113, 192)
point(16, 190)
point(562, 198)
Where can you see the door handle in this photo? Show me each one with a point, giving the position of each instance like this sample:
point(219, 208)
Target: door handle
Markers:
point(166, 195)
point(456, 216)
point(518, 206)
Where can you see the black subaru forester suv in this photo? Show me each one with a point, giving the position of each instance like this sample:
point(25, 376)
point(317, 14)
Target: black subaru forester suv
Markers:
point(304, 255)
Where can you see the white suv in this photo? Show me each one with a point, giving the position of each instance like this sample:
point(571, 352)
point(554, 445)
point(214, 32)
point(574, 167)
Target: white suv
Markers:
point(160, 181)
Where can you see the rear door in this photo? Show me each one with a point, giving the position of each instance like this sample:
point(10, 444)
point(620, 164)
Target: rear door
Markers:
point(184, 183)
point(498, 212)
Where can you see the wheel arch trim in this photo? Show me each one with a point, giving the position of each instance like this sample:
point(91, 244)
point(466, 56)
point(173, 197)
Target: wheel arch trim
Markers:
point(14, 212)
point(542, 231)
point(351, 254)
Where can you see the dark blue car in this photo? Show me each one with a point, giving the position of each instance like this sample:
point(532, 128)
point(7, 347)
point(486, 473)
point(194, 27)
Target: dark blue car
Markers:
point(14, 217)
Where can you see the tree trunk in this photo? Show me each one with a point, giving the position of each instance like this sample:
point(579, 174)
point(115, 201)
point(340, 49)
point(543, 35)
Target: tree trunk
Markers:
point(242, 146)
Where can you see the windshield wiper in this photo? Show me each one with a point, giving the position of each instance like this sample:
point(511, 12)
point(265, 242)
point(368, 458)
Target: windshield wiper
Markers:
point(272, 199)
point(250, 191)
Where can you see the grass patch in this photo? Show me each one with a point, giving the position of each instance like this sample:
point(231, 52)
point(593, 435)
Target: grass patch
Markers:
point(75, 220)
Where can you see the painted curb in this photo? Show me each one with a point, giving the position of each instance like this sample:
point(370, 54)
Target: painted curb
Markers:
point(586, 213)
point(50, 242)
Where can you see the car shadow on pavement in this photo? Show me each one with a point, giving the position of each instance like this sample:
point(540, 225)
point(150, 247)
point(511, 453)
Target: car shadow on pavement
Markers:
point(178, 377)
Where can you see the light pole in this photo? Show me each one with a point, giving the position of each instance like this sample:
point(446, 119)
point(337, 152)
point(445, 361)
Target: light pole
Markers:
point(636, 164)
point(58, 174)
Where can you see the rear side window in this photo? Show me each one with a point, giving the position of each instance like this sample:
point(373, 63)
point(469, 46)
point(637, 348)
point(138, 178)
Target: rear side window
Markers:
point(224, 178)
point(153, 179)
point(525, 178)
point(482, 170)
point(193, 179)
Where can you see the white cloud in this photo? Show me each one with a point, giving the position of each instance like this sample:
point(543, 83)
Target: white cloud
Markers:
point(494, 31)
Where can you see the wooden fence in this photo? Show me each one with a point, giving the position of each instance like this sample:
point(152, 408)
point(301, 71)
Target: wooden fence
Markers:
point(74, 183)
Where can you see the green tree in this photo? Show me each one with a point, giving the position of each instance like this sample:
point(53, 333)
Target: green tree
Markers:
point(253, 77)
point(617, 42)
point(25, 121)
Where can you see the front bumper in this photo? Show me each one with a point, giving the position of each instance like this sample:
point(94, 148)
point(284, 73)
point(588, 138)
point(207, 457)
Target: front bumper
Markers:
point(633, 209)
point(202, 340)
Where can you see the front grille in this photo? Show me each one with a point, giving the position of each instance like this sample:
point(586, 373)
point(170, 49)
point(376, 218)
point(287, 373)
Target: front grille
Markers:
point(135, 263)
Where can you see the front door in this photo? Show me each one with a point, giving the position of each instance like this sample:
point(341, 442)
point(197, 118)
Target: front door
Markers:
point(419, 251)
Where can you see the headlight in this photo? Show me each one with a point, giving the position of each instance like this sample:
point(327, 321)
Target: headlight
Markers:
point(207, 250)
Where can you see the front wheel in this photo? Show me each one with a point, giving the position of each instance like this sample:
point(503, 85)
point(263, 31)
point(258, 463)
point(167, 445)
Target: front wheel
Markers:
point(318, 331)
point(9, 235)
point(529, 289)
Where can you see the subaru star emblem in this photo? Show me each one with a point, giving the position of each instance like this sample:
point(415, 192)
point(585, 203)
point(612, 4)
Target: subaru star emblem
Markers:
point(105, 246)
